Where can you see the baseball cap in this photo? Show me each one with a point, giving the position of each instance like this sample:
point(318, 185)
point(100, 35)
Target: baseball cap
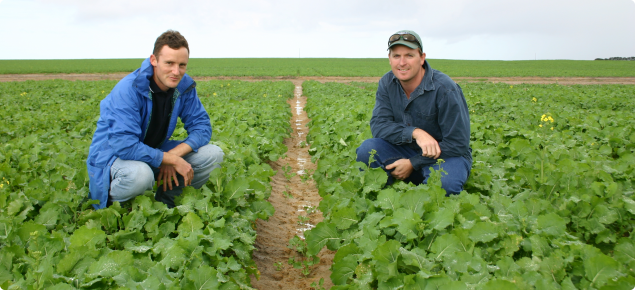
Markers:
point(405, 38)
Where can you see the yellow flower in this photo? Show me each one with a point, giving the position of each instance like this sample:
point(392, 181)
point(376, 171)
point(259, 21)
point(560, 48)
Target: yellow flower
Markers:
point(264, 95)
point(540, 125)
point(551, 128)
point(550, 119)
point(228, 85)
point(511, 87)
point(214, 94)
point(534, 99)
point(1, 185)
point(279, 95)
point(102, 92)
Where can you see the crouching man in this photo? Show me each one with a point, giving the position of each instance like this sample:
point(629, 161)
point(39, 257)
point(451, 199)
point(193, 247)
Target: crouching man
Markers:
point(131, 148)
point(420, 115)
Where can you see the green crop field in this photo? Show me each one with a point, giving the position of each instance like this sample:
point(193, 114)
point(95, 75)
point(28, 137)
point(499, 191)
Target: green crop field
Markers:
point(549, 203)
point(271, 67)
point(51, 238)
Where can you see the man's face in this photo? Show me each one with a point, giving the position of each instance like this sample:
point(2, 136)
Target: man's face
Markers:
point(406, 63)
point(169, 66)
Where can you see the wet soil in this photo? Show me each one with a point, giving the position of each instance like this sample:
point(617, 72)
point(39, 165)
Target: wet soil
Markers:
point(293, 194)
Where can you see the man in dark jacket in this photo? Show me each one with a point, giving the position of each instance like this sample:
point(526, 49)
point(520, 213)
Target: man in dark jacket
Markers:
point(420, 116)
point(131, 148)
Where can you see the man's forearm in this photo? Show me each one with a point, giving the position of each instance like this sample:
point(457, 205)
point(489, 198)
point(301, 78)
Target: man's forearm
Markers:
point(181, 150)
point(175, 155)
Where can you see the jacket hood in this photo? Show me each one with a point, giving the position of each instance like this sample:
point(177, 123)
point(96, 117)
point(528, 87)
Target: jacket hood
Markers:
point(146, 71)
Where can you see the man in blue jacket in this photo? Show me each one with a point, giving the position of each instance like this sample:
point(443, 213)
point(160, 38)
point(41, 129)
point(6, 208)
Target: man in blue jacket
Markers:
point(131, 148)
point(420, 116)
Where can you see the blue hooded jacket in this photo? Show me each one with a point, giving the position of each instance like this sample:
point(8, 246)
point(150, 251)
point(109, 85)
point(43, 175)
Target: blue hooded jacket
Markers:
point(124, 118)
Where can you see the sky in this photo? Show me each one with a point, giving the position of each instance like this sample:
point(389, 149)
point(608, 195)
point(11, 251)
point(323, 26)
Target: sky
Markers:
point(450, 29)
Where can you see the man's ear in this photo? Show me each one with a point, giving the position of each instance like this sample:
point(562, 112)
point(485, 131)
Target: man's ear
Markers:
point(153, 60)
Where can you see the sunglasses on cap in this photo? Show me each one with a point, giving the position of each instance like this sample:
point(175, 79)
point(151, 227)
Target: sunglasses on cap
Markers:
point(406, 36)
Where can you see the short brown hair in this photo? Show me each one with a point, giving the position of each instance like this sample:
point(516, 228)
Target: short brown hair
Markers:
point(173, 39)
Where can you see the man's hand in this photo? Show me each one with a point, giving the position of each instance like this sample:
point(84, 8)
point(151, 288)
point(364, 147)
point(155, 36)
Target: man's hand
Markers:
point(171, 165)
point(428, 144)
point(402, 169)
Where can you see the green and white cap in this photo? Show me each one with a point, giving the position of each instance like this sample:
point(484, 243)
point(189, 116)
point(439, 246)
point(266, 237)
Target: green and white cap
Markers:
point(403, 39)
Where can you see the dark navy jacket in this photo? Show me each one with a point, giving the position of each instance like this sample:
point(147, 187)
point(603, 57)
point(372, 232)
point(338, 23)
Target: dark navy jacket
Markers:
point(436, 106)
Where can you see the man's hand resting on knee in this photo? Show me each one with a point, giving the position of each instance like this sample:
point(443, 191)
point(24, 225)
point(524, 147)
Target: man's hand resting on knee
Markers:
point(402, 169)
point(171, 165)
point(429, 145)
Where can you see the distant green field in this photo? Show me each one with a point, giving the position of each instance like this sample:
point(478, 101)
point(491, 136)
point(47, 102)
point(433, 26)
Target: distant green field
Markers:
point(371, 67)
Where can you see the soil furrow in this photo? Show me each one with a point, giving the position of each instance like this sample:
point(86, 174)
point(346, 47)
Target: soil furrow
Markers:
point(293, 194)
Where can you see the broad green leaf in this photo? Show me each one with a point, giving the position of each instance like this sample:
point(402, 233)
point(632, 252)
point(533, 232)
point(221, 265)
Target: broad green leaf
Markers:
point(111, 264)
point(386, 256)
point(388, 199)
point(551, 224)
point(625, 251)
point(415, 200)
point(320, 236)
point(203, 278)
point(600, 269)
point(440, 219)
point(445, 245)
point(374, 180)
point(85, 236)
point(499, 285)
point(407, 222)
point(344, 218)
point(343, 270)
point(483, 232)
point(190, 224)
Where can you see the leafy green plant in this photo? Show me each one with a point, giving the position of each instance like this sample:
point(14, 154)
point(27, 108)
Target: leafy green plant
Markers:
point(52, 238)
point(543, 208)
point(287, 172)
point(302, 260)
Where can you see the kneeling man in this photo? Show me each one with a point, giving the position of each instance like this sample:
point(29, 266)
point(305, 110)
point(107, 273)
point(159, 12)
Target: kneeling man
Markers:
point(131, 148)
point(420, 115)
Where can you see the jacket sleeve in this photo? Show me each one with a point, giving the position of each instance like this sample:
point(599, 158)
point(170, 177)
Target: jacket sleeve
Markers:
point(383, 123)
point(125, 128)
point(454, 120)
point(196, 121)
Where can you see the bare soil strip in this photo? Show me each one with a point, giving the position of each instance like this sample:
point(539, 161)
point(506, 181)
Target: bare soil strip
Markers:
point(509, 80)
point(291, 197)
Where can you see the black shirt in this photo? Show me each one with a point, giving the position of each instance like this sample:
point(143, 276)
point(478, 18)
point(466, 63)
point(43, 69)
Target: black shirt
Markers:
point(160, 119)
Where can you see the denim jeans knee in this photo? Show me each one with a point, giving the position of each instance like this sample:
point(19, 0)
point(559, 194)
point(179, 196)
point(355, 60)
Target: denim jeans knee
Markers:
point(129, 179)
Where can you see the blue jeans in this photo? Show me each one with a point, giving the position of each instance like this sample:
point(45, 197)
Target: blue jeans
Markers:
point(131, 178)
point(457, 168)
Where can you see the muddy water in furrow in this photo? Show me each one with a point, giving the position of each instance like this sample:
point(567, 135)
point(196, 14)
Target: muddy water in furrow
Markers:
point(294, 195)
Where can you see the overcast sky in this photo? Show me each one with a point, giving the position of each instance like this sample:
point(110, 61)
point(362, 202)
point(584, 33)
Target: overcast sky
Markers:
point(451, 29)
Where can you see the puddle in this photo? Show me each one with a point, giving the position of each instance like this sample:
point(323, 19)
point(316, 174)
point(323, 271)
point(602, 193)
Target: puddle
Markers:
point(304, 226)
